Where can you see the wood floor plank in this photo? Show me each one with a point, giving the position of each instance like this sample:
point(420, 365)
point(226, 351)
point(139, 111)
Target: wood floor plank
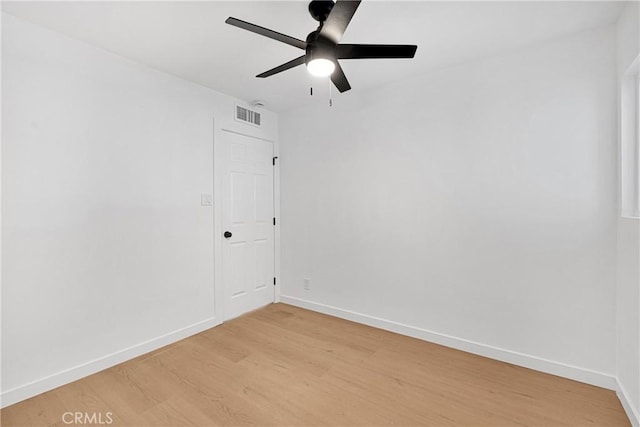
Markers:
point(286, 366)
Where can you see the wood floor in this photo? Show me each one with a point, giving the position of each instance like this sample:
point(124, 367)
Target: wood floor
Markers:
point(284, 366)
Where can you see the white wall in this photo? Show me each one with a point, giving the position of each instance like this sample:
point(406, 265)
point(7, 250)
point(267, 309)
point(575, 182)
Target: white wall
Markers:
point(628, 249)
point(474, 206)
point(107, 252)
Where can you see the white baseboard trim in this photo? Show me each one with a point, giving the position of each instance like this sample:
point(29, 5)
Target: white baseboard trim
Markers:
point(576, 373)
point(599, 379)
point(17, 394)
point(632, 412)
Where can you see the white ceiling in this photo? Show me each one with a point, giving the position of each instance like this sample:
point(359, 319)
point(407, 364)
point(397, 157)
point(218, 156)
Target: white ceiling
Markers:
point(191, 40)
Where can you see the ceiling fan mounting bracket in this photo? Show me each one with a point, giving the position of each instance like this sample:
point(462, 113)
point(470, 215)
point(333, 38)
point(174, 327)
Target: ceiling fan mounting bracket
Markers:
point(320, 9)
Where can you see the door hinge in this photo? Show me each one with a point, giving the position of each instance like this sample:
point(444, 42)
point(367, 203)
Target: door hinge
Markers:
point(274, 220)
point(274, 160)
point(274, 281)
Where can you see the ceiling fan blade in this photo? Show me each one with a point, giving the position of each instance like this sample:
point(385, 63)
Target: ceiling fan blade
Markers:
point(338, 20)
point(364, 51)
point(339, 79)
point(267, 32)
point(293, 63)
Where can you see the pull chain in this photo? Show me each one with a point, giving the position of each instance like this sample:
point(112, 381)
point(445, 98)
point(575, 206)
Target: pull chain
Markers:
point(330, 98)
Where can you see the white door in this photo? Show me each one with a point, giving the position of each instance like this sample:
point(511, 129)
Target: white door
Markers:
point(247, 221)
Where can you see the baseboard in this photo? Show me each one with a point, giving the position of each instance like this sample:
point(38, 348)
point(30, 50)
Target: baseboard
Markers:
point(50, 382)
point(599, 379)
point(532, 362)
point(632, 412)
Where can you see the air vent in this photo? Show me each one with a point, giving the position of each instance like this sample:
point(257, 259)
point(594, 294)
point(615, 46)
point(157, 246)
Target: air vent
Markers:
point(247, 116)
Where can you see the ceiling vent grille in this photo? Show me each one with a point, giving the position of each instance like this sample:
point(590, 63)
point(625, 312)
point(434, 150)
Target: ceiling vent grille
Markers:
point(247, 116)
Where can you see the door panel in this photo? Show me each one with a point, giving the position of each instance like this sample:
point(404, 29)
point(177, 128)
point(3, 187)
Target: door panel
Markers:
point(237, 254)
point(247, 212)
point(240, 198)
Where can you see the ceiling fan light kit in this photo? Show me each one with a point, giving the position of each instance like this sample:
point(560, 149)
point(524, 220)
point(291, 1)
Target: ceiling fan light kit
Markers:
point(322, 47)
point(321, 67)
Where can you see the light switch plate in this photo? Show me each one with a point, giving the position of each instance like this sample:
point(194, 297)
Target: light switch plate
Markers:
point(206, 199)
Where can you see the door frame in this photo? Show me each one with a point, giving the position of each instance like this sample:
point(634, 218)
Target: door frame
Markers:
point(218, 228)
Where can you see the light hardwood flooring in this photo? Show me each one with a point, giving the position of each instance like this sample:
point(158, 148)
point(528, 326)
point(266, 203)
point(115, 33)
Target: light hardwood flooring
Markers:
point(285, 366)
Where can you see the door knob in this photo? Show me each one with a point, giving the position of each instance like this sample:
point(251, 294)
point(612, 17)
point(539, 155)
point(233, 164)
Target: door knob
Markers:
point(227, 234)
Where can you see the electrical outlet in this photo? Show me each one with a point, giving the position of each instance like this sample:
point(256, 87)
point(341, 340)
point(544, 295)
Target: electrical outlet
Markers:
point(307, 284)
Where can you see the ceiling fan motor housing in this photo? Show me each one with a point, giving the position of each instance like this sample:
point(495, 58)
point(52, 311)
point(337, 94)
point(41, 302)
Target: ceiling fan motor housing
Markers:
point(319, 47)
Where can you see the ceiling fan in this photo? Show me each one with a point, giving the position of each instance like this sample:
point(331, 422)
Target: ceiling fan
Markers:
point(322, 47)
